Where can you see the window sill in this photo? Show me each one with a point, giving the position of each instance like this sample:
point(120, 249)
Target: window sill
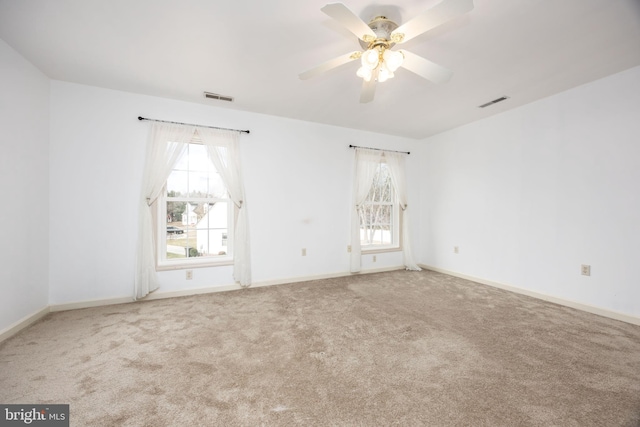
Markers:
point(380, 250)
point(190, 265)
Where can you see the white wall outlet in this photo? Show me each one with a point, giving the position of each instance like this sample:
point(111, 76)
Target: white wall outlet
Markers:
point(304, 251)
point(189, 274)
point(456, 250)
point(348, 248)
point(585, 270)
point(374, 258)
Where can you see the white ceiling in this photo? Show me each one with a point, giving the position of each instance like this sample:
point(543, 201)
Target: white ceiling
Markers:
point(254, 50)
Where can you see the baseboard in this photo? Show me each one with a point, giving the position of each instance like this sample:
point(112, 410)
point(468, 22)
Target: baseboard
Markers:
point(89, 303)
point(323, 276)
point(13, 329)
point(159, 294)
point(557, 300)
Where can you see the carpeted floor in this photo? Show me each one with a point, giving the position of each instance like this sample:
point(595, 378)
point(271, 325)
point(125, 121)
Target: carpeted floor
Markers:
point(399, 348)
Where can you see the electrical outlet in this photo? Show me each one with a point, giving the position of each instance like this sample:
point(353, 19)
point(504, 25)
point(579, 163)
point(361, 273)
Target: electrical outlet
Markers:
point(189, 274)
point(304, 251)
point(374, 258)
point(456, 250)
point(585, 270)
point(348, 248)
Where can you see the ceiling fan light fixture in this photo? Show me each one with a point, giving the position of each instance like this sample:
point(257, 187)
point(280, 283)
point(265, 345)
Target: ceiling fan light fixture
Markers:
point(380, 34)
point(380, 60)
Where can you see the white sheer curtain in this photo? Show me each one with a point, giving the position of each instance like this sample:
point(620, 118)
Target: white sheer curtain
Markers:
point(395, 162)
point(366, 163)
point(166, 143)
point(222, 147)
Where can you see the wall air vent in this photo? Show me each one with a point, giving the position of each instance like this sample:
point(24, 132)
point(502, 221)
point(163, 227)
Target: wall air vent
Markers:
point(495, 101)
point(218, 97)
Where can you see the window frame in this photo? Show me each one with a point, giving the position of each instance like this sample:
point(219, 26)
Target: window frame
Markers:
point(162, 262)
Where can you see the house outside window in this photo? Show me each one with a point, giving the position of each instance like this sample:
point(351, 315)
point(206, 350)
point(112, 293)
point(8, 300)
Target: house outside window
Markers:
point(380, 214)
point(199, 214)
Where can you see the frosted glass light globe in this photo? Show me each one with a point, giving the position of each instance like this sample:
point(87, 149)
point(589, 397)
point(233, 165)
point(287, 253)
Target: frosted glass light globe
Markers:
point(384, 74)
point(370, 59)
point(365, 73)
point(393, 59)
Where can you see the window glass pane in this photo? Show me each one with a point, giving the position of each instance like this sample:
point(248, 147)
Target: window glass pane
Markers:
point(374, 214)
point(381, 214)
point(174, 213)
point(206, 184)
point(177, 233)
point(177, 184)
point(212, 231)
point(198, 184)
point(366, 213)
point(383, 235)
point(379, 234)
point(199, 159)
point(182, 226)
point(190, 215)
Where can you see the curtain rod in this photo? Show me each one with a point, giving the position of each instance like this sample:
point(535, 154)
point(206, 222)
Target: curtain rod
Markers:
point(380, 149)
point(189, 124)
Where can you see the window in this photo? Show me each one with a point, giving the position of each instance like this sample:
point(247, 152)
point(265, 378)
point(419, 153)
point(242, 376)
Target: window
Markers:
point(199, 214)
point(379, 214)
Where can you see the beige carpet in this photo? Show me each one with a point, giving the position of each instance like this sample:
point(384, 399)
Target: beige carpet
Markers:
point(399, 348)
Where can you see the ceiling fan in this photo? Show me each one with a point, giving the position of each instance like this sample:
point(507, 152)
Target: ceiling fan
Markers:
point(378, 61)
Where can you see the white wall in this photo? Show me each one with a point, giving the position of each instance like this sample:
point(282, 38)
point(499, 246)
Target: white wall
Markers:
point(24, 175)
point(297, 178)
point(533, 193)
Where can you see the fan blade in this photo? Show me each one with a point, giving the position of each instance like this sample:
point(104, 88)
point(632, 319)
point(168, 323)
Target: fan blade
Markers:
point(332, 63)
point(347, 18)
point(430, 19)
point(425, 68)
point(368, 89)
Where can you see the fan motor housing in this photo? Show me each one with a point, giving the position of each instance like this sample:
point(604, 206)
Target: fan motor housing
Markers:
point(383, 28)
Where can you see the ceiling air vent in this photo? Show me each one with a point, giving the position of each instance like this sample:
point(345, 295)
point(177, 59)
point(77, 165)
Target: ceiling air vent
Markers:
point(218, 97)
point(495, 101)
